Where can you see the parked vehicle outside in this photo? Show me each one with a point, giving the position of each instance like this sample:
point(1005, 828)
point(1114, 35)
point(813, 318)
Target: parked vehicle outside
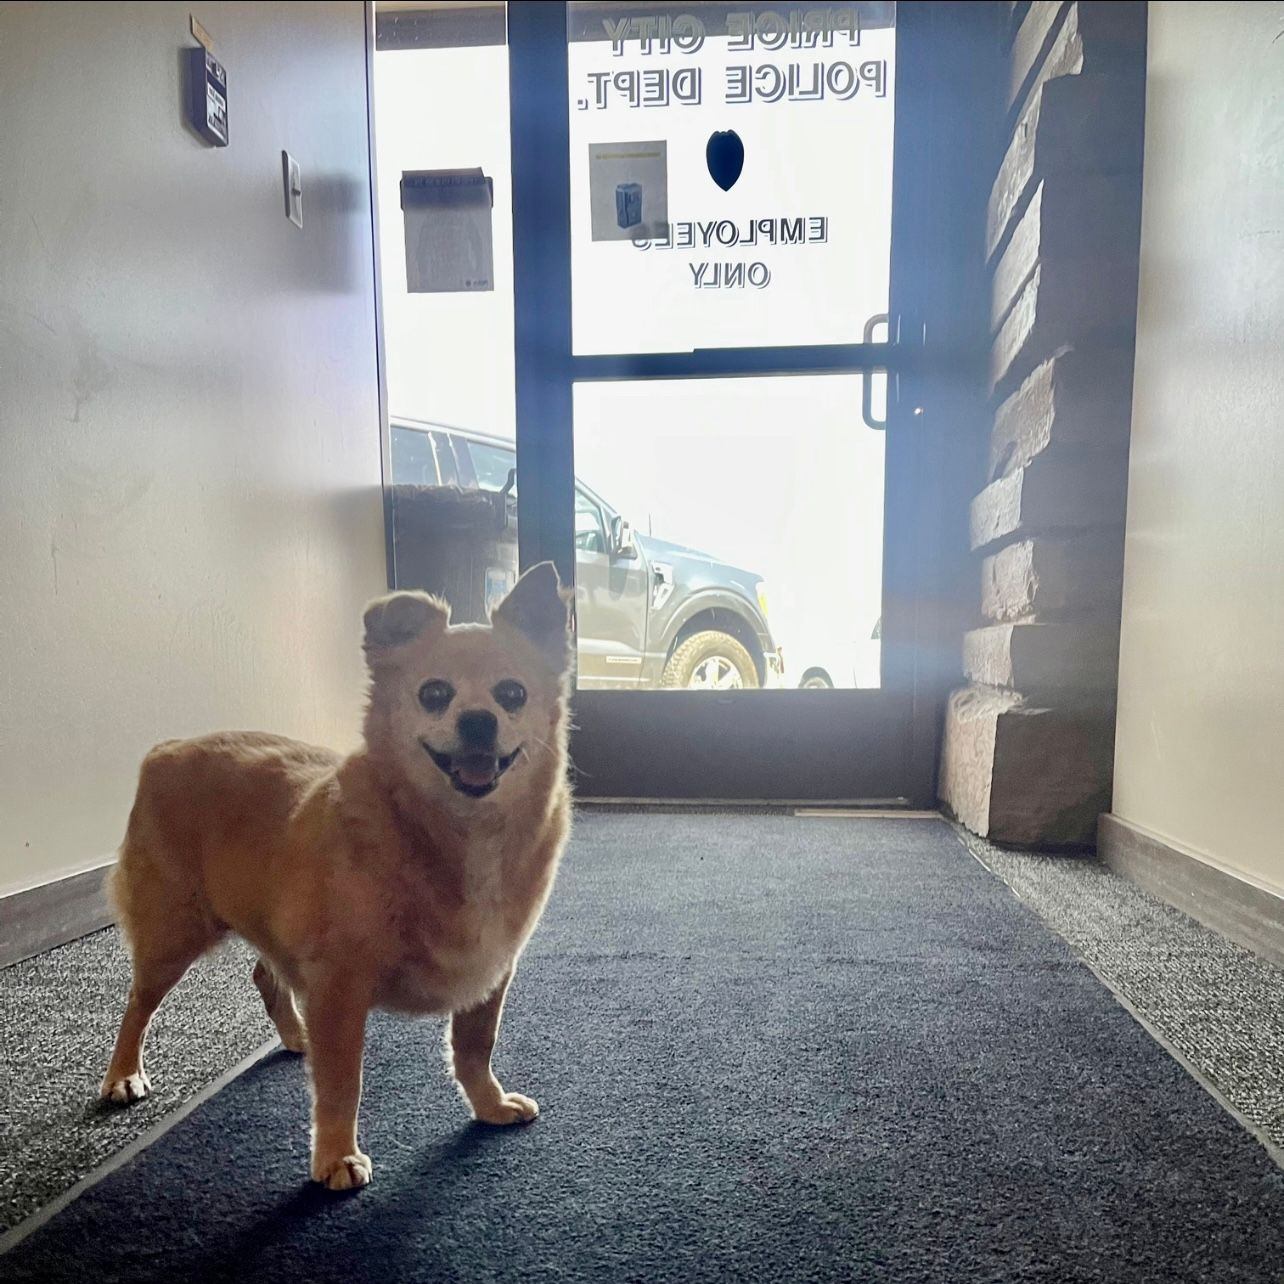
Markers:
point(651, 613)
point(813, 660)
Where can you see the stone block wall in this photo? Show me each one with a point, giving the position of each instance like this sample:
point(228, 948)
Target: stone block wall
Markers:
point(1029, 740)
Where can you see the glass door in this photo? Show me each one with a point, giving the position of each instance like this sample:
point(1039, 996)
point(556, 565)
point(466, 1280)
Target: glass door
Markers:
point(715, 426)
point(711, 410)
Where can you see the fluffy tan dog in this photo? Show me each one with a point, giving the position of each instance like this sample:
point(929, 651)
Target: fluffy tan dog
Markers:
point(407, 876)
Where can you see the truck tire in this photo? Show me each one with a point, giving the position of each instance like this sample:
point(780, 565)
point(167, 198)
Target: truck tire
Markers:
point(710, 661)
point(816, 680)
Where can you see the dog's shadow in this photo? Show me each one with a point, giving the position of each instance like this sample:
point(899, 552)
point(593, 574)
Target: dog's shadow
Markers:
point(451, 1166)
point(471, 1139)
point(430, 1187)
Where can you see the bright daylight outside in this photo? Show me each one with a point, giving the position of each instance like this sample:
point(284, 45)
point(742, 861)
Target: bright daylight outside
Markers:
point(731, 182)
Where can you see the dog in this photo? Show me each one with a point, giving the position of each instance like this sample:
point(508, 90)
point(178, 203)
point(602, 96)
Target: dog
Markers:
point(407, 876)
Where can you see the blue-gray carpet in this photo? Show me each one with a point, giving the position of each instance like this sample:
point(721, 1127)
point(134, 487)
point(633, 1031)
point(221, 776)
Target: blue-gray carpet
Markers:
point(766, 1048)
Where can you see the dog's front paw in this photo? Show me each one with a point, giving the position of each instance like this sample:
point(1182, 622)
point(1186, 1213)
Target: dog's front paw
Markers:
point(506, 1108)
point(350, 1172)
point(124, 1091)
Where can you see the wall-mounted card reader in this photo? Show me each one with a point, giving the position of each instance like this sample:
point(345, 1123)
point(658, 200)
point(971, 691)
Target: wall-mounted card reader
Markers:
point(208, 101)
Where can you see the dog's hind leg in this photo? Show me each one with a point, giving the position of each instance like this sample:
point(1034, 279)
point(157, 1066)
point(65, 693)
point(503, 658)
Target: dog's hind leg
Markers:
point(168, 926)
point(155, 974)
point(278, 998)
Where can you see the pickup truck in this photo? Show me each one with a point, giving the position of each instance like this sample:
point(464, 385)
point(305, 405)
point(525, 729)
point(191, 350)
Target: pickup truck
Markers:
point(650, 613)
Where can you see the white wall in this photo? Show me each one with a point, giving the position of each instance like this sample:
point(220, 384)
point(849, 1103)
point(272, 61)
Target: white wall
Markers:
point(190, 512)
point(1200, 746)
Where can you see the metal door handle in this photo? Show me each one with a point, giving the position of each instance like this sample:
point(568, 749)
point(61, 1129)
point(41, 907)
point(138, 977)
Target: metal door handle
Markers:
point(867, 376)
point(901, 333)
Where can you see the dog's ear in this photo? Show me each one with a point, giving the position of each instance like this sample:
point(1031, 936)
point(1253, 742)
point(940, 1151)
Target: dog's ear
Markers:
point(538, 607)
point(399, 618)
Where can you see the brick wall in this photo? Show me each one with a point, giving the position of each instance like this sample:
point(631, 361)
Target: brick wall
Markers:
point(1029, 740)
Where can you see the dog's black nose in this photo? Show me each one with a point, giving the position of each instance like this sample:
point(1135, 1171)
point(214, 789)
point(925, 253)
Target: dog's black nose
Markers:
point(478, 728)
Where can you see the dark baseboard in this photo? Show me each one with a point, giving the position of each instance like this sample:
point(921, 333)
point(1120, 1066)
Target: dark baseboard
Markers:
point(39, 918)
point(1247, 914)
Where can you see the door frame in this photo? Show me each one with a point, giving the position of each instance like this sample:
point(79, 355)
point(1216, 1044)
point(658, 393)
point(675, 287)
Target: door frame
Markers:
point(840, 746)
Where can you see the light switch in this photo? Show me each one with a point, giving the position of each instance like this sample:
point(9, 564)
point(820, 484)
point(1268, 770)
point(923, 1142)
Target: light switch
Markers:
point(293, 178)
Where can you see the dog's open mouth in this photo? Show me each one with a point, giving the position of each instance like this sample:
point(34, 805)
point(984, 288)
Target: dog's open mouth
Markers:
point(474, 774)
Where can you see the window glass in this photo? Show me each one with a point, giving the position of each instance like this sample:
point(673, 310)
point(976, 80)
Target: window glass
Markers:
point(589, 535)
point(731, 173)
point(447, 465)
point(492, 464)
point(441, 103)
point(764, 491)
point(413, 463)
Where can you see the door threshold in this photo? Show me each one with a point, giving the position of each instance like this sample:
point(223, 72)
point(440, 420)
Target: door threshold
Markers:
point(871, 812)
point(860, 808)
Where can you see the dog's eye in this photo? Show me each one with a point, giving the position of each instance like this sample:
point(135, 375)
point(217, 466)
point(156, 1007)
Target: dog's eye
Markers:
point(510, 695)
point(435, 695)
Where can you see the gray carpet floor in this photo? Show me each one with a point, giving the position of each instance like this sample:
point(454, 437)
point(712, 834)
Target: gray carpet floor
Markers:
point(1216, 1004)
point(58, 1018)
point(766, 1048)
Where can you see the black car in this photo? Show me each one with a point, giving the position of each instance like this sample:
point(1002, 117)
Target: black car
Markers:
point(650, 613)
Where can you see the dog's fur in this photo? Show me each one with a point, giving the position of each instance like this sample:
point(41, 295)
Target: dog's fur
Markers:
point(408, 875)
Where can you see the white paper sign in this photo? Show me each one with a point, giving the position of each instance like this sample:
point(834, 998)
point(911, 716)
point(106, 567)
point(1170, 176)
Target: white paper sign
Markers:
point(449, 241)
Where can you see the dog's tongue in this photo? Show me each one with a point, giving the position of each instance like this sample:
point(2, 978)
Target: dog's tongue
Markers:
point(476, 769)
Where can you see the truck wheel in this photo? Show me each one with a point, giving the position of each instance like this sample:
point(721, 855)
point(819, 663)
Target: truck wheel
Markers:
point(816, 680)
point(710, 661)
